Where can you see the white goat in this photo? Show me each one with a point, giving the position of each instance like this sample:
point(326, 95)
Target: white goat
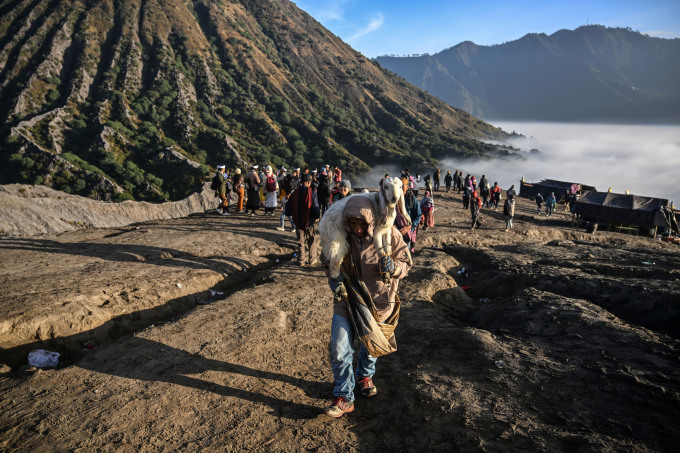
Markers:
point(384, 205)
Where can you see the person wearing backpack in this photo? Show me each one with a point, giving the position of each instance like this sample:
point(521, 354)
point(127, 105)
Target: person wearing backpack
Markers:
point(271, 187)
point(219, 185)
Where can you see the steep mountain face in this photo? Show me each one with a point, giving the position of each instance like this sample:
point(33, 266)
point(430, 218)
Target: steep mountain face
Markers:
point(591, 73)
point(139, 99)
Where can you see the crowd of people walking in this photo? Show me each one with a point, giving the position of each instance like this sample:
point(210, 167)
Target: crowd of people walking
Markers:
point(263, 189)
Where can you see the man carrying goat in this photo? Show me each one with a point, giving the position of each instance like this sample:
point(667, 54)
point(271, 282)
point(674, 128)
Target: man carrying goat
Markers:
point(364, 304)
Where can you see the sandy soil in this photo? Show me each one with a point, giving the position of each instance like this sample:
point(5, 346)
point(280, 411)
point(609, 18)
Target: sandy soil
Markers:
point(29, 210)
point(189, 335)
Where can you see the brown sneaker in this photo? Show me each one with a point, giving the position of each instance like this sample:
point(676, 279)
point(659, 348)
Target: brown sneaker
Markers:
point(367, 387)
point(339, 407)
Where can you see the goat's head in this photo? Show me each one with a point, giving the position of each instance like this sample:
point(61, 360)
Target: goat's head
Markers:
point(391, 190)
point(391, 194)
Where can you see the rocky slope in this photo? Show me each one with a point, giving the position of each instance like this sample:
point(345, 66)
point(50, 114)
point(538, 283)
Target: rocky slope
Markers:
point(139, 99)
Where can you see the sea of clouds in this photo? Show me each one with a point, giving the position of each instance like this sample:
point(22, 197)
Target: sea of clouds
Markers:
point(640, 158)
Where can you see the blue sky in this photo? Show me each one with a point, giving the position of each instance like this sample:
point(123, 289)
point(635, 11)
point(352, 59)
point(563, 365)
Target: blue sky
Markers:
point(381, 27)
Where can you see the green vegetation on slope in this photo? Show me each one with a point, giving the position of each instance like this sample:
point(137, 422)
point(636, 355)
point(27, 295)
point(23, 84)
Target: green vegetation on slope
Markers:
point(139, 99)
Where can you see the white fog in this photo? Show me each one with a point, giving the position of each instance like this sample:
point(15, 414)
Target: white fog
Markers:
point(642, 159)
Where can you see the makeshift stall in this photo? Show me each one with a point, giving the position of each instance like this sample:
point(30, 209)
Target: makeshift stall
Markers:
point(626, 211)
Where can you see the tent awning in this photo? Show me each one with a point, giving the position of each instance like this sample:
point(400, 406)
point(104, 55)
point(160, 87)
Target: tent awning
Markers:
point(625, 209)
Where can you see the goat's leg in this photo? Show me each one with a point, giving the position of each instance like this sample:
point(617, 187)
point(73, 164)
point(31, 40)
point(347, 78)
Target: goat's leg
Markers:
point(378, 242)
point(388, 240)
point(387, 278)
point(381, 241)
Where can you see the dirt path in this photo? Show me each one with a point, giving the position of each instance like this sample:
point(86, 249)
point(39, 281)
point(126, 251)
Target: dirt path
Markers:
point(588, 333)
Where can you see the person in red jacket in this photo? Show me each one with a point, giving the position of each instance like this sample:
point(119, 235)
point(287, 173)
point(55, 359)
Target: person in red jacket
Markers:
point(495, 195)
point(475, 206)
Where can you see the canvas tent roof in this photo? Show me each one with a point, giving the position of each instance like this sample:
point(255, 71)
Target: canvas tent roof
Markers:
point(616, 208)
point(530, 190)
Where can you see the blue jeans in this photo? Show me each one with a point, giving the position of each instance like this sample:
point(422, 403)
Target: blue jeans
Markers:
point(283, 214)
point(283, 220)
point(342, 355)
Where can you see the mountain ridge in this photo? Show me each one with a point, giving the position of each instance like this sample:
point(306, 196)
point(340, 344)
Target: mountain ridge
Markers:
point(139, 99)
point(593, 73)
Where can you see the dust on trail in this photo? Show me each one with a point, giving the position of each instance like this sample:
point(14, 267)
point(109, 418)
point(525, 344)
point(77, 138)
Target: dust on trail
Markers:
point(588, 333)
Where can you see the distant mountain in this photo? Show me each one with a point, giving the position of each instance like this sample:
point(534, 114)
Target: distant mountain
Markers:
point(140, 99)
point(593, 73)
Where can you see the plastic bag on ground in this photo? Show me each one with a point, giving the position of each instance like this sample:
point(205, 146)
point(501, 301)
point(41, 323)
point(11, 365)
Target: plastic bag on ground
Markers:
point(40, 358)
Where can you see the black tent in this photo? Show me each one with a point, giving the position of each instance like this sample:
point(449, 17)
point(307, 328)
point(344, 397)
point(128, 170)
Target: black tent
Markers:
point(622, 209)
point(545, 187)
